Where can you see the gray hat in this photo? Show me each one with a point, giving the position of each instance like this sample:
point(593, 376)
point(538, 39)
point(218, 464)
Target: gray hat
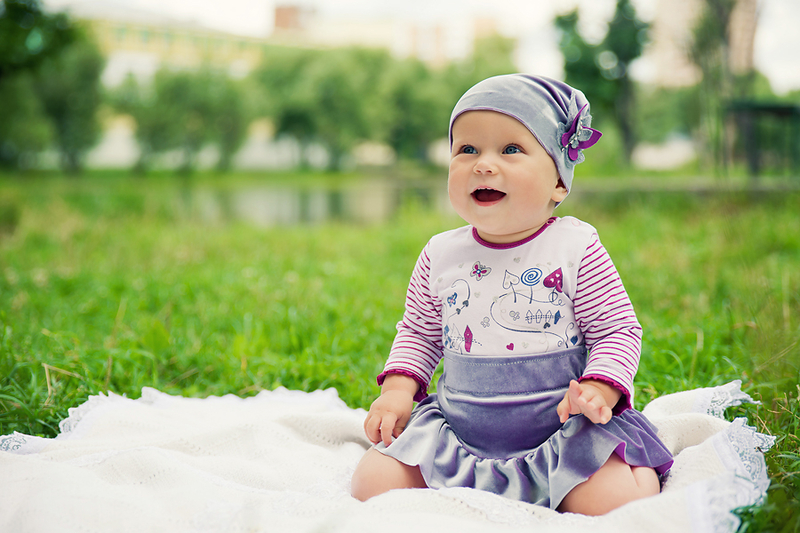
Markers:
point(555, 113)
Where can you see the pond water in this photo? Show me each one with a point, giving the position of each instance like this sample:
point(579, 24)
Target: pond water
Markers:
point(364, 202)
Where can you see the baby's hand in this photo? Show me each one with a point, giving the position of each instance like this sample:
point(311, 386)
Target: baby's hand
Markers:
point(388, 416)
point(593, 399)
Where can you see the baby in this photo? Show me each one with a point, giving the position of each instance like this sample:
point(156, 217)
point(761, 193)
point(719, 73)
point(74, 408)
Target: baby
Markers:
point(538, 338)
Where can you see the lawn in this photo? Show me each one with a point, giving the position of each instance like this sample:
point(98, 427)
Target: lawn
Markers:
point(105, 284)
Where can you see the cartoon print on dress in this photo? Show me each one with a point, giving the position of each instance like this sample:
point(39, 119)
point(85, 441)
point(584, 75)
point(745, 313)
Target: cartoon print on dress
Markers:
point(554, 280)
point(453, 339)
point(452, 300)
point(468, 339)
point(521, 311)
point(480, 271)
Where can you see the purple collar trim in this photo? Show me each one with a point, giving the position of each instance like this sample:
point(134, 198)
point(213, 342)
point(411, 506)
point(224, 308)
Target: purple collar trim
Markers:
point(509, 245)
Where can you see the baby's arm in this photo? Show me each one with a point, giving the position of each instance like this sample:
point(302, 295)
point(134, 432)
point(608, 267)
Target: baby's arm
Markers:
point(594, 399)
point(389, 413)
point(608, 321)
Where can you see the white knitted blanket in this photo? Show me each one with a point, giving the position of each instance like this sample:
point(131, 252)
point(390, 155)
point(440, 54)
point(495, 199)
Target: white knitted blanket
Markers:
point(281, 462)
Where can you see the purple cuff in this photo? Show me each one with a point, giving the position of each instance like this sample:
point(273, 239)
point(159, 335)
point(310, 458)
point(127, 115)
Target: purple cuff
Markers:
point(624, 402)
point(422, 392)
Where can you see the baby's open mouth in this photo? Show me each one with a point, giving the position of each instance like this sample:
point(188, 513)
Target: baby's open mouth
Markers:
point(487, 195)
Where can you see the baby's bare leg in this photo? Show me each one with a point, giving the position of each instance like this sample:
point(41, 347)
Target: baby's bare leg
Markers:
point(377, 473)
point(614, 485)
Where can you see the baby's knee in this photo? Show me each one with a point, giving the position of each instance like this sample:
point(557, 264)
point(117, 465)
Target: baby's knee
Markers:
point(362, 486)
point(613, 485)
point(377, 473)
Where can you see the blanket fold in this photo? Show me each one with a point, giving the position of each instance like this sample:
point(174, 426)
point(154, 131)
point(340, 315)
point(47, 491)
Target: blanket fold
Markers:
point(282, 461)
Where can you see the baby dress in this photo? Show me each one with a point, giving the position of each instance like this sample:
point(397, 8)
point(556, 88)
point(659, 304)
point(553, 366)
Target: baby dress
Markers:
point(515, 325)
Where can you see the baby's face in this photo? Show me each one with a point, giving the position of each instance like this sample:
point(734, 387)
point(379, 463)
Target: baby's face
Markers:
point(501, 179)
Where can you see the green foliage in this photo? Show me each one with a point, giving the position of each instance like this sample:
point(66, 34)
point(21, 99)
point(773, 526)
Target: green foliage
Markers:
point(340, 97)
point(156, 128)
point(29, 36)
point(601, 71)
point(416, 108)
point(493, 55)
point(68, 86)
point(185, 110)
point(232, 111)
point(24, 128)
point(663, 112)
point(326, 96)
point(709, 50)
point(343, 89)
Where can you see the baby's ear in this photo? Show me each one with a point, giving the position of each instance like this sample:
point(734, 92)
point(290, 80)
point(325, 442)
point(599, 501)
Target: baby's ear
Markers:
point(560, 192)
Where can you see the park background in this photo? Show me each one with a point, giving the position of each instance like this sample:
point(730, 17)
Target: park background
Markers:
point(206, 211)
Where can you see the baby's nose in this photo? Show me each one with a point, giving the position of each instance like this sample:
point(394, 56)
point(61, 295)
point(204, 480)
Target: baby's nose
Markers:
point(483, 166)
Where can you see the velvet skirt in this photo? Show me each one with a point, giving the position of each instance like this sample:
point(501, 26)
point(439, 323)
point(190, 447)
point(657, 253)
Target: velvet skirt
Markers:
point(492, 425)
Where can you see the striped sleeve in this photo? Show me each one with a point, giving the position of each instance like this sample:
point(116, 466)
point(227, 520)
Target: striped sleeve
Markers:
point(605, 314)
point(417, 347)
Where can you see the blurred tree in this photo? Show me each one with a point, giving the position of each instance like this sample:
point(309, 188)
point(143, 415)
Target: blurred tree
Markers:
point(156, 126)
point(28, 36)
point(292, 110)
point(418, 100)
point(602, 71)
point(24, 128)
point(230, 118)
point(187, 95)
point(68, 85)
point(417, 104)
point(338, 98)
point(492, 55)
point(324, 96)
point(343, 86)
point(185, 110)
point(666, 111)
point(710, 52)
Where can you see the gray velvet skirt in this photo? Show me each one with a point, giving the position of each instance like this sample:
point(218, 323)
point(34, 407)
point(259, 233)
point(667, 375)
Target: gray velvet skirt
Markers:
point(492, 425)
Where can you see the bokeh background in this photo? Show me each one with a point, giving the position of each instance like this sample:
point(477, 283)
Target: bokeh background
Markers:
point(706, 86)
point(214, 197)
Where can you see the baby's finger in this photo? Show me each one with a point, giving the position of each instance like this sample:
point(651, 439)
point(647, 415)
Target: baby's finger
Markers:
point(599, 414)
point(387, 427)
point(399, 426)
point(563, 409)
point(372, 428)
point(574, 394)
point(596, 403)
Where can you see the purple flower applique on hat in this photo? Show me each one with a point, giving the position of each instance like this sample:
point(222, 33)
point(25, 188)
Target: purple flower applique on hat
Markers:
point(576, 135)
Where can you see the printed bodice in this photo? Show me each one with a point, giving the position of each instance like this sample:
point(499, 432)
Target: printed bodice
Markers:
point(511, 300)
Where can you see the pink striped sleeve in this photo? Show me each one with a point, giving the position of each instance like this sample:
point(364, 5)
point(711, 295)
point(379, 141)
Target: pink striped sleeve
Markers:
point(605, 314)
point(417, 347)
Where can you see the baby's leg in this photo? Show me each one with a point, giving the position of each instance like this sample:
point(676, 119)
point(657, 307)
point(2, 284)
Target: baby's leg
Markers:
point(614, 485)
point(377, 473)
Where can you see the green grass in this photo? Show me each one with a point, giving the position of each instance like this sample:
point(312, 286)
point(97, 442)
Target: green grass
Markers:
point(105, 285)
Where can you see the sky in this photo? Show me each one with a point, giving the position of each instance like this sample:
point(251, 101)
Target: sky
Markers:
point(775, 48)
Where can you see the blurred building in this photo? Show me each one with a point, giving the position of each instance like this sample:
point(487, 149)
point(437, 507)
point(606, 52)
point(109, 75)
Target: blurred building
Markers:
point(744, 21)
point(672, 33)
point(436, 43)
point(139, 42)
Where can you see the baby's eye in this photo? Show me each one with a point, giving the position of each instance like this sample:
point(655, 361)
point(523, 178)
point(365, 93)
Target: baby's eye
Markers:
point(467, 149)
point(511, 149)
